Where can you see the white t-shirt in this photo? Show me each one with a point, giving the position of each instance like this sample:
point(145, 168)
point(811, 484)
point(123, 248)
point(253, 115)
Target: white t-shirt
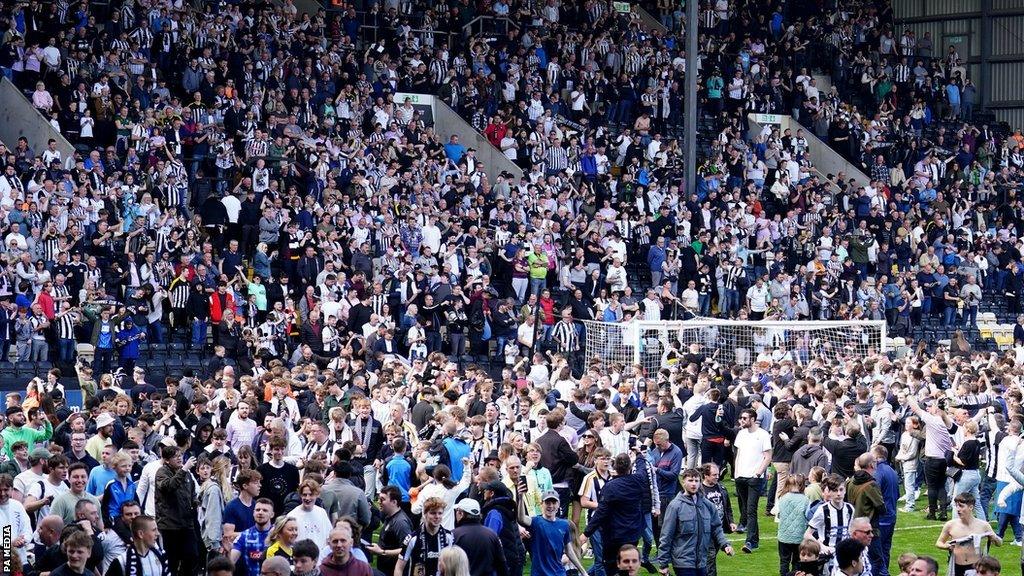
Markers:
point(750, 448)
point(315, 525)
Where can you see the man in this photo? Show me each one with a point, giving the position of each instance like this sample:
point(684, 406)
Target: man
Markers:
point(276, 566)
point(629, 560)
point(862, 533)
point(31, 475)
point(45, 544)
point(117, 536)
point(14, 517)
point(849, 558)
point(77, 452)
point(690, 528)
point(64, 504)
point(558, 457)
point(77, 547)
point(144, 556)
point(343, 498)
point(924, 566)
point(482, 546)
point(753, 455)
point(16, 430)
point(40, 495)
point(666, 458)
point(549, 537)
point(340, 561)
point(962, 535)
point(313, 522)
point(252, 542)
point(280, 478)
point(176, 510)
point(889, 484)
point(715, 491)
point(499, 512)
point(103, 437)
point(238, 514)
point(395, 528)
point(622, 510)
point(937, 442)
point(424, 546)
point(862, 491)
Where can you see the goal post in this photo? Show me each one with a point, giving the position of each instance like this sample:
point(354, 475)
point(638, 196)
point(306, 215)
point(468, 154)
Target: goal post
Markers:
point(652, 344)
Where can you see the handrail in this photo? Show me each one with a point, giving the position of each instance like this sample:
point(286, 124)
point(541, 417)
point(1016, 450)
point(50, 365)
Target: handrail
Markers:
point(467, 29)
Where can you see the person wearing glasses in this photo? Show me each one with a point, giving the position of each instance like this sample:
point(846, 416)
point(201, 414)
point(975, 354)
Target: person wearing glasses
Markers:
point(753, 455)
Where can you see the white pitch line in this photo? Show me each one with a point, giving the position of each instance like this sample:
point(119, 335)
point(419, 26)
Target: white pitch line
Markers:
point(937, 525)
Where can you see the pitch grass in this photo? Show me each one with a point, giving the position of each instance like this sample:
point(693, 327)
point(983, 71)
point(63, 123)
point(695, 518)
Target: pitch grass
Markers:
point(913, 534)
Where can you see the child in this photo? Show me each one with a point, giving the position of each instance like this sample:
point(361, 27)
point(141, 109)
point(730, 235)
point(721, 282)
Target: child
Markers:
point(830, 522)
point(792, 516)
point(810, 563)
point(77, 547)
point(987, 566)
point(905, 560)
point(305, 556)
point(813, 490)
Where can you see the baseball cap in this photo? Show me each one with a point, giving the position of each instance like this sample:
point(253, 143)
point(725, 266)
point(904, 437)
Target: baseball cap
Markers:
point(551, 495)
point(469, 506)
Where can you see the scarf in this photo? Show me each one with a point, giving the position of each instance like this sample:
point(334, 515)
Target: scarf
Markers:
point(444, 540)
point(364, 435)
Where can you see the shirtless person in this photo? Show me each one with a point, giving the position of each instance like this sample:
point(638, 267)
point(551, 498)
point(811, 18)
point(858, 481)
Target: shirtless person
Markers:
point(962, 536)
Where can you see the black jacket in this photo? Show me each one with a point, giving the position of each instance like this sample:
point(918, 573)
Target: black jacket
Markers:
point(482, 546)
point(175, 499)
point(557, 456)
point(504, 505)
point(844, 452)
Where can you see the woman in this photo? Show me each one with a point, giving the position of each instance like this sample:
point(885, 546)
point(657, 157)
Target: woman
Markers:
point(520, 275)
point(538, 480)
point(589, 443)
point(202, 439)
point(967, 458)
point(261, 263)
point(282, 537)
point(214, 494)
point(792, 522)
point(453, 562)
point(440, 485)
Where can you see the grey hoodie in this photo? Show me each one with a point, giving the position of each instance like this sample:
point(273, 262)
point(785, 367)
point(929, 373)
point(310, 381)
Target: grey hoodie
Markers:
point(808, 457)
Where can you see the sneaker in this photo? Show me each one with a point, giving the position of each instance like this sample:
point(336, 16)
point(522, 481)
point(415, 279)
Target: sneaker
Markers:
point(747, 549)
point(908, 509)
point(1016, 542)
point(741, 528)
point(649, 566)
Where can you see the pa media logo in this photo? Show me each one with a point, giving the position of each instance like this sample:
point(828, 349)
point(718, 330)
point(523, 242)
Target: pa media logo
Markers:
point(7, 551)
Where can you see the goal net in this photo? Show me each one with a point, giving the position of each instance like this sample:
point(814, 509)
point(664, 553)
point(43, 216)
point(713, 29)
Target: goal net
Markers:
point(652, 345)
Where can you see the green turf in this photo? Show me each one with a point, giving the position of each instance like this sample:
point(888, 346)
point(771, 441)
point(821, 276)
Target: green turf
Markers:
point(913, 534)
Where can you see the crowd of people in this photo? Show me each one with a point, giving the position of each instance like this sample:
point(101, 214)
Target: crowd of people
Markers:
point(391, 373)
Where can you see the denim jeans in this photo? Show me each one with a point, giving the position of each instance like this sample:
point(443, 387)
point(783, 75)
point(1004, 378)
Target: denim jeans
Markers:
point(950, 313)
point(595, 546)
point(880, 548)
point(970, 481)
point(704, 304)
point(155, 332)
point(537, 285)
point(66, 350)
point(198, 334)
point(910, 484)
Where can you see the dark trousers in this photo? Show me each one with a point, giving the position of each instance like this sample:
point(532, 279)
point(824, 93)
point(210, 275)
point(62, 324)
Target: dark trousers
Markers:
point(182, 548)
point(610, 555)
point(935, 478)
point(789, 554)
point(689, 571)
point(881, 546)
point(749, 491)
point(713, 452)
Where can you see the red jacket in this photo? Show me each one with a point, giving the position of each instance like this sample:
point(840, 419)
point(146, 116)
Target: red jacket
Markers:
point(216, 312)
point(547, 311)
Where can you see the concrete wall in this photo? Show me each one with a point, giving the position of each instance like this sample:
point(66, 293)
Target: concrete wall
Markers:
point(823, 158)
point(448, 122)
point(19, 118)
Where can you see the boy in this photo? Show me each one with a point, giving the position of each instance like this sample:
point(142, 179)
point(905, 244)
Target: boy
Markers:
point(810, 563)
point(77, 548)
point(962, 536)
point(830, 521)
point(306, 557)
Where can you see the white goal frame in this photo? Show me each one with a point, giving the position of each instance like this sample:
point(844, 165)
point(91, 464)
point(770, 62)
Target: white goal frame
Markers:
point(736, 341)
